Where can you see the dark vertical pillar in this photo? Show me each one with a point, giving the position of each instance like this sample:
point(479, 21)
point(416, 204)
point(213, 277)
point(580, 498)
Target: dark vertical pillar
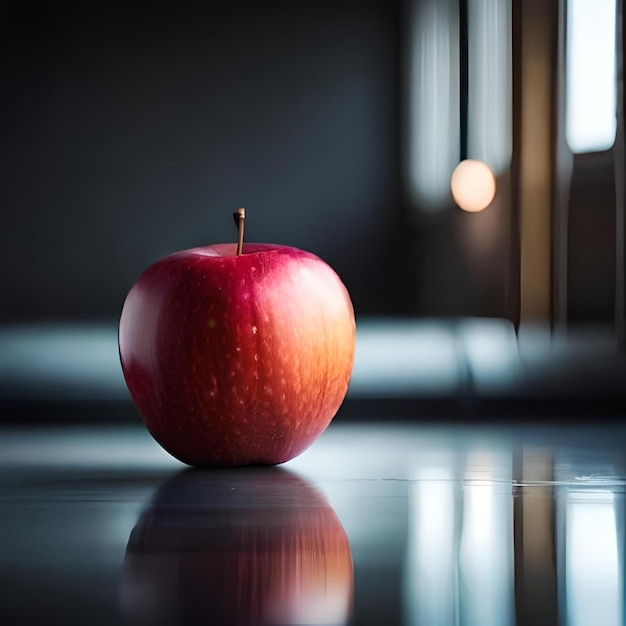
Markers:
point(620, 166)
point(536, 586)
point(541, 164)
point(563, 161)
point(536, 162)
point(514, 287)
point(463, 76)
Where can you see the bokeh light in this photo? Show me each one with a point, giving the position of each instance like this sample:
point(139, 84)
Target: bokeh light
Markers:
point(473, 185)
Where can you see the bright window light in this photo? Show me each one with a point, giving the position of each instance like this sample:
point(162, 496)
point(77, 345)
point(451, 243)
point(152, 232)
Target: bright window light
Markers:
point(593, 579)
point(489, 86)
point(432, 562)
point(433, 135)
point(590, 75)
point(486, 559)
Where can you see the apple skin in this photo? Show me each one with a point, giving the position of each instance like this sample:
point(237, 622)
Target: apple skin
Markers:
point(252, 546)
point(237, 359)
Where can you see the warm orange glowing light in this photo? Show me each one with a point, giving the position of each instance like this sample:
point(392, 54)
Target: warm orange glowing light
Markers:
point(473, 185)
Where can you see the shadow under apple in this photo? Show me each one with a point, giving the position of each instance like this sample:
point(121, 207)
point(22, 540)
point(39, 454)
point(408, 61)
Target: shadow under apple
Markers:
point(237, 546)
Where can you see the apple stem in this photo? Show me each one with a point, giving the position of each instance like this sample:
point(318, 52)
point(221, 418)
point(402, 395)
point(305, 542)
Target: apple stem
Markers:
point(239, 216)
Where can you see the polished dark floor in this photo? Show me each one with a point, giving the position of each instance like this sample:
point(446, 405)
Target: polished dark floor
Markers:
point(375, 524)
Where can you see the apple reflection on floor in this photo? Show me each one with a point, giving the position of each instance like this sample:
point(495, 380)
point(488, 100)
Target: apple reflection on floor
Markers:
point(238, 547)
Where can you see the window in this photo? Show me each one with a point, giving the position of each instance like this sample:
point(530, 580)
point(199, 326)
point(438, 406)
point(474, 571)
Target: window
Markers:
point(590, 75)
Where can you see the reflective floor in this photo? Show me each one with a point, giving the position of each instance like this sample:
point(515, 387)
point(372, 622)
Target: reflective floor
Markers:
point(395, 524)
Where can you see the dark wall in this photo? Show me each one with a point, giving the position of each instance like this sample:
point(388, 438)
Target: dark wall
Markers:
point(592, 228)
point(133, 129)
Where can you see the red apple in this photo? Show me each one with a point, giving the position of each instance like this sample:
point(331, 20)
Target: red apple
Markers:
point(256, 546)
point(237, 359)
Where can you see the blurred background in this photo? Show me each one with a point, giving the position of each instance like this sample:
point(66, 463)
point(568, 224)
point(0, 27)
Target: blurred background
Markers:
point(133, 129)
point(460, 163)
